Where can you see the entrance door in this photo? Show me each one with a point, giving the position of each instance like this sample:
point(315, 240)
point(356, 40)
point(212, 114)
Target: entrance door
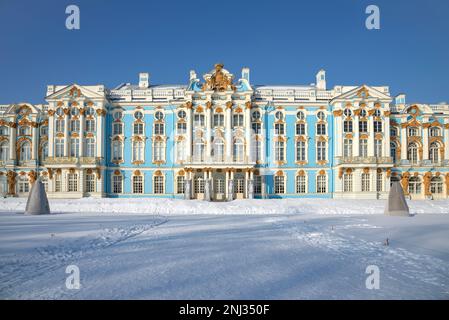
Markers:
point(198, 187)
point(219, 185)
point(239, 186)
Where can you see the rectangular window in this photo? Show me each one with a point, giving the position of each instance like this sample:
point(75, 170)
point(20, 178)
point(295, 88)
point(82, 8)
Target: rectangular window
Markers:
point(321, 151)
point(138, 128)
point(363, 148)
point(75, 126)
point(347, 126)
point(256, 126)
point(60, 124)
point(198, 120)
point(377, 126)
point(159, 128)
point(300, 129)
point(58, 183)
point(279, 129)
point(363, 126)
point(59, 148)
point(90, 125)
point(181, 127)
point(321, 129)
point(378, 148)
point(117, 128)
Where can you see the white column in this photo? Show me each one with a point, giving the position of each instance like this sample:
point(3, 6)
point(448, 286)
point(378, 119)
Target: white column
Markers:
point(403, 143)
point(51, 135)
point(371, 136)
point(446, 142)
point(34, 146)
point(355, 144)
point(81, 133)
point(81, 181)
point(338, 136)
point(12, 142)
point(100, 130)
point(228, 133)
point(246, 184)
point(386, 141)
point(227, 174)
point(248, 131)
point(425, 141)
point(66, 133)
point(189, 134)
point(208, 131)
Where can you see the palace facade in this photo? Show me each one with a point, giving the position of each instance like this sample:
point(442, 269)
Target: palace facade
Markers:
point(222, 138)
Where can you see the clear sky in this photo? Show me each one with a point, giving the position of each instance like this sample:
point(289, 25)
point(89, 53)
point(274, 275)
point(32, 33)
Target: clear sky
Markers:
point(283, 42)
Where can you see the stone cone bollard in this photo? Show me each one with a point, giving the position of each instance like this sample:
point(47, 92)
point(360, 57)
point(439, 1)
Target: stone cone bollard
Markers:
point(37, 200)
point(396, 203)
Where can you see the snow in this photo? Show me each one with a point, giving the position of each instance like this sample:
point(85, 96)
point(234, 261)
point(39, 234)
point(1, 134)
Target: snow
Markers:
point(256, 206)
point(165, 249)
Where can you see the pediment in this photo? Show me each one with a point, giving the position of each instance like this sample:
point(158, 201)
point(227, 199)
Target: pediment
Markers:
point(74, 91)
point(363, 92)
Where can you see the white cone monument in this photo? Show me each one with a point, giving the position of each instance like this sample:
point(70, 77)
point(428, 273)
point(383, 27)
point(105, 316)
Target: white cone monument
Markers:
point(396, 203)
point(37, 200)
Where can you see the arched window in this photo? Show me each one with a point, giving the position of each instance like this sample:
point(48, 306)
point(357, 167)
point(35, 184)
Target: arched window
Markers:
point(181, 154)
point(138, 151)
point(159, 151)
point(436, 185)
point(365, 182)
point(117, 183)
point(218, 150)
point(180, 184)
point(321, 186)
point(238, 150)
point(412, 152)
point(74, 147)
point(414, 185)
point(279, 150)
point(59, 147)
point(138, 184)
point(321, 151)
point(23, 185)
point(198, 150)
point(25, 151)
point(301, 184)
point(198, 185)
point(90, 147)
point(90, 182)
point(363, 148)
point(300, 150)
point(347, 182)
point(347, 148)
point(4, 151)
point(218, 119)
point(279, 184)
point(117, 154)
point(72, 179)
point(378, 148)
point(393, 149)
point(434, 152)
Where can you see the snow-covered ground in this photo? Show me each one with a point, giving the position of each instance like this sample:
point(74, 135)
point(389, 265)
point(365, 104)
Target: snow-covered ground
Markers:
point(172, 206)
point(286, 251)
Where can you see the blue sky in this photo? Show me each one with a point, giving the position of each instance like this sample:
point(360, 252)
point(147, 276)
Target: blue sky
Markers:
point(283, 42)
